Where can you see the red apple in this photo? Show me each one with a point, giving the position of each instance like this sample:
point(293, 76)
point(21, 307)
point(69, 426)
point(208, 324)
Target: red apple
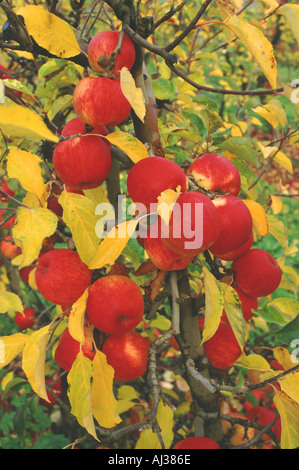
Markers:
point(72, 190)
point(68, 349)
point(8, 191)
point(222, 349)
point(26, 319)
point(149, 177)
point(236, 224)
point(99, 101)
point(194, 224)
point(231, 255)
point(115, 304)
point(82, 162)
point(257, 273)
point(103, 44)
point(163, 257)
point(10, 222)
point(55, 386)
point(24, 272)
point(8, 248)
point(127, 353)
point(61, 277)
point(248, 304)
point(216, 173)
point(197, 443)
point(264, 416)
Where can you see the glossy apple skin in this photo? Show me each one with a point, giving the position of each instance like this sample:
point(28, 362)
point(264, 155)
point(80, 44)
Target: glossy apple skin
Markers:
point(99, 101)
point(180, 219)
point(236, 224)
point(8, 248)
point(75, 126)
point(115, 304)
point(148, 178)
point(61, 277)
point(106, 42)
point(197, 443)
point(232, 255)
point(68, 349)
point(257, 273)
point(127, 353)
point(222, 349)
point(162, 257)
point(26, 319)
point(216, 173)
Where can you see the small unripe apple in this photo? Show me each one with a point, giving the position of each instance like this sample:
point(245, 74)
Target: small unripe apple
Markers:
point(115, 304)
point(103, 44)
point(231, 255)
point(99, 101)
point(8, 248)
point(197, 443)
point(215, 173)
point(257, 273)
point(149, 177)
point(61, 277)
point(26, 319)
point(68, 348)
point(236, 224)
point(127, 353)
point(194, 224)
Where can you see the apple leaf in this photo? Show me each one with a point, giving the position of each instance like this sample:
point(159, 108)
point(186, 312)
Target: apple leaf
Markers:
point(79, 216)
point(273, 113)
point(126, 142)
point(104, 404)
point(166, 201)
point(10, 301)
point(76, 318)
point(291, 14)
point(278, 230)
point(259, 218)
point(133, 94)
point(233, 310)
point(288, 410)
point(257, 44)
point(79, 393)
point(253, 361)
point(29, 232)
point(19, 121)
point(10, 347)
point(149, 440)
point(214, 304)
point(33, 361)
point(50, 31)
point(25, 166)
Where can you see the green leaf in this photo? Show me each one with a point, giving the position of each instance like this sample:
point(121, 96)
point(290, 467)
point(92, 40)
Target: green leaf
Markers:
point(278, 230)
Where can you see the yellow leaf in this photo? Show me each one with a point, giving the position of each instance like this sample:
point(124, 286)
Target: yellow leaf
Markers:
point(79, 216)
point(259, 218)
point(276, 205)
point(31, 279)
point(104, 404)
point(79, 393)
point(126, 142)
point(288, 410)
point(33, 361)
point(278, 230)
point(31, 228)
point(273, 113)
point(6, 379)
point(149, 440)
point(25, 167)
point(291, 14)
point(50, 32)
point(31, 200)
point(10, 301)
point(97, 195)
point(290, 385)
point(10, 347)
point(214, 304)
point(76, 318)
point(233, 309)
point(133, 94)
point(254, 361)
point(257, 44)
point(18, 121)
point(284, 161)
point(166, 201)
point(113, 244)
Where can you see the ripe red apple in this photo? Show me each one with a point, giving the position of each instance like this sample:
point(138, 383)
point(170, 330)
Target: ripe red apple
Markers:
point(68, 349)
point(257, 273)
point(163, 257)
point(8, 191)
point(8, 248)
point(197, 443)
point(61, 277)
point(236, 224)
point(82, 162)
point(75, 126)
point(55, 386)
point(26, 319)
point(149, 177)
point(103, 44)
point(264, 416)
point(10, 222)
point(194, 224)
point(127, 353)
point(248, 304)
point(231, 255)
point(115, 304)
point(222, 349)
point(216, 173)
point(24, 272)
point(99, 101)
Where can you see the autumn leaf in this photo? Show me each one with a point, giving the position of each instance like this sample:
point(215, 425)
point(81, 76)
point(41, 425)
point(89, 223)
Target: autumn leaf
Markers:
point(10, 301)
point(10, 347)
point(133, 94)
point(288, 410)
point(129, 144)
point(233, 309)
point(273, 113)
point(76, 318)
point(214, 304)
point(166, 201)
point(149, 440)
point(50, 31)
point(291, 14)
point(259, 217)
point(19, 121)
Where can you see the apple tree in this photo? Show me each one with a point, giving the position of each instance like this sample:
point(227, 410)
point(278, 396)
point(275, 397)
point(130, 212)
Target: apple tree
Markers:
point(149, 181)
